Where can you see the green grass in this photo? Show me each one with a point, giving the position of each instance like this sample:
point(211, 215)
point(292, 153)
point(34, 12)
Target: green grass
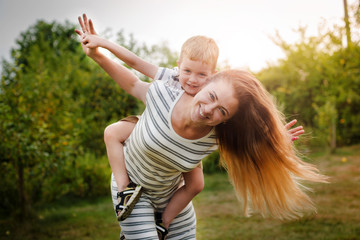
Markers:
point(219, 215)
point(72, 219)
point(338, 206)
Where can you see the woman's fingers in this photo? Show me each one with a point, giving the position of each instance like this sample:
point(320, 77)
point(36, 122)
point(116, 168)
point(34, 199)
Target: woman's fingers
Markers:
point(92, 29)
point(81, 24)
point(79, 32)
point(86, 23)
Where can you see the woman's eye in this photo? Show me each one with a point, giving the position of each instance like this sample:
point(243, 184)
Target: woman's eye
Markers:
point(212, 96)
point(222, 111)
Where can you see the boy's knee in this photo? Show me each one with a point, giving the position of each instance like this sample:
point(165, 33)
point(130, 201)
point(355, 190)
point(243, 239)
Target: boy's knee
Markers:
point(109, 134)
point(118, 132)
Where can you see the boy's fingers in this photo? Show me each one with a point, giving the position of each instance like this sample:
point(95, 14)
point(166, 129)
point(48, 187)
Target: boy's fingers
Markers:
point(295, 129)
point(298, 133)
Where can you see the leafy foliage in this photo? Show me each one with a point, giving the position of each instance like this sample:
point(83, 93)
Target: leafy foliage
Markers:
point(318, 82)
point(211, 163)
point(54, 105)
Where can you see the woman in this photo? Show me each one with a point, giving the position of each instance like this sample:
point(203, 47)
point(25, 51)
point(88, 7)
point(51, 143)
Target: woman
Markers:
point(232, 112)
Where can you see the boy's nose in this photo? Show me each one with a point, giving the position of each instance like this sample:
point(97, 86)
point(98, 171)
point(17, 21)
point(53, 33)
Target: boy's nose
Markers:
point(192, 78)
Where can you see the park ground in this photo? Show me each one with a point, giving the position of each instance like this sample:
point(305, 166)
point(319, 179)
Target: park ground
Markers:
point(218, 212)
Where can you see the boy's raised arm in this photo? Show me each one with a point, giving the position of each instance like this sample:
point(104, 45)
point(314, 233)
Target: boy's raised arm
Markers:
point(131, 59)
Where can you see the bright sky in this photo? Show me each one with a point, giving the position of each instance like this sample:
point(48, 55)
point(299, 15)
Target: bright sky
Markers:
point(241, 28)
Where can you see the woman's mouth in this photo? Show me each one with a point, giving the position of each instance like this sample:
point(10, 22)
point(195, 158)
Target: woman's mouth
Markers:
point(202, 115)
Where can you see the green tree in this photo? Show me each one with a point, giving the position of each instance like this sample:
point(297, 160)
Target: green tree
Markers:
point(54, 105)
point(34, 118)
point(318, 82)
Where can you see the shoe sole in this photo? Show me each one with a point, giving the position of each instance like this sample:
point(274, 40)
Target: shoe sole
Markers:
point(130, 204)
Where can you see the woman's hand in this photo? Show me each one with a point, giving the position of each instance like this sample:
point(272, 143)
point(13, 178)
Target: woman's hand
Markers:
point(88, 35)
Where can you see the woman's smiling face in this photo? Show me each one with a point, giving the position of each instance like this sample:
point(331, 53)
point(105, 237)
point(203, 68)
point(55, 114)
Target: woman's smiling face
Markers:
point(214, 104)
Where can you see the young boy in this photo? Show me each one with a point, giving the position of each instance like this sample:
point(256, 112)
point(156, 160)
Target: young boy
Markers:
point(197, 61)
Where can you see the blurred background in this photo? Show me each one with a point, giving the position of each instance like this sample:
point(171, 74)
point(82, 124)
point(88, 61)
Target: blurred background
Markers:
point(55, 104)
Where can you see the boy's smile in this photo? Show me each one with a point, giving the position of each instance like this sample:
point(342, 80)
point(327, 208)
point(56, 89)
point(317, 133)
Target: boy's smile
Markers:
point(193, 75)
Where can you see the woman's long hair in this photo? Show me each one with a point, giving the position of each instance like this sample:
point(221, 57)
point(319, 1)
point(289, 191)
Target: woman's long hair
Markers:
point(258, 154)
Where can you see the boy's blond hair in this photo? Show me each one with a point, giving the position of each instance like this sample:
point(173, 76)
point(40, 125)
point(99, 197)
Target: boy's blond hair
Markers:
point(201, 48)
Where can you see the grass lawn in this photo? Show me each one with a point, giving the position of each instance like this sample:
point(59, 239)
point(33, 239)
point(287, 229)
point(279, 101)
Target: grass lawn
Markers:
point(218, 212)
point(338, 205)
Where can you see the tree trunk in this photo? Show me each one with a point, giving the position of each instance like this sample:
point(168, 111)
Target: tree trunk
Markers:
point(23, 209)
point(333, 136)
point(347, 24)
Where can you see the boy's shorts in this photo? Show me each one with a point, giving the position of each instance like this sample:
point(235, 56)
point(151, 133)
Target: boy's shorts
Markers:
point(131, 118)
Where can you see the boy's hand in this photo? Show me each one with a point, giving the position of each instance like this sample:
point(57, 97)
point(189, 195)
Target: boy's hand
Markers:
point(87, 30)
point(294, 132)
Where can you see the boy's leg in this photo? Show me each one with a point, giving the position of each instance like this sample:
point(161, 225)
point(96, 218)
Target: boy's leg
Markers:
point(194, 184)
point(128, 193)
point(114, 137)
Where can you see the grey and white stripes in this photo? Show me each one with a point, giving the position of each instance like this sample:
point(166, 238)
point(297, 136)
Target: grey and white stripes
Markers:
point(155, 154)
point(155, 157)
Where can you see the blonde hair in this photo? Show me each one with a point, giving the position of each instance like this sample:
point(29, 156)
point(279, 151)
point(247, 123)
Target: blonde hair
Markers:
point(200, 48)
point(256, 150)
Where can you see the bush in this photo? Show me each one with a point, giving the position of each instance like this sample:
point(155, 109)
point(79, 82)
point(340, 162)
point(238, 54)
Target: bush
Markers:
point(211, 163)
point(85, 176)
point(8, 190)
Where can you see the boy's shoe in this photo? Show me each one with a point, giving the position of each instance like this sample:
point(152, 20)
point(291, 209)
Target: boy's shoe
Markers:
point(122, 236)
point(127, 200)
point(161, 230)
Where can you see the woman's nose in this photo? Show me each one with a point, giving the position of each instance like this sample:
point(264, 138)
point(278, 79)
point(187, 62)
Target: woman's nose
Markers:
point(209, 108)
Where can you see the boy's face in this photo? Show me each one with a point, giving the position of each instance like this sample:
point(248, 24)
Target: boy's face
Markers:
point(193, 75)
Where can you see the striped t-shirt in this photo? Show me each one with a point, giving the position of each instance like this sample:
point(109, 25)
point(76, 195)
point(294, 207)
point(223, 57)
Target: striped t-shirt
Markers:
point(155, 154)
